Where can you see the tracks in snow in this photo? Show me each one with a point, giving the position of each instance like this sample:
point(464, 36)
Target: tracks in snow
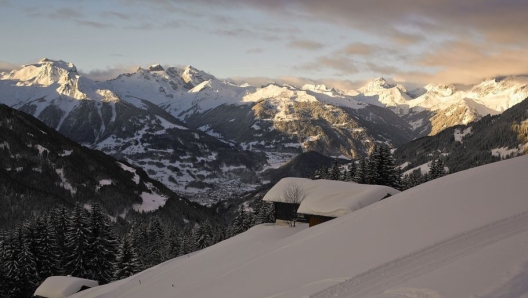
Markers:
point(385, 276)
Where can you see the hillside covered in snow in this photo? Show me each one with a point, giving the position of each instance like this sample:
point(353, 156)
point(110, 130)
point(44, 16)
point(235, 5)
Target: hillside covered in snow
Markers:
point(463, 235)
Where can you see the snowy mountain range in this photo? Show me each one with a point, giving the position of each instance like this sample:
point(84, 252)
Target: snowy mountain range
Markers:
point(134, 129)
point(434, 107)
point(463, 235)
point(192, 131)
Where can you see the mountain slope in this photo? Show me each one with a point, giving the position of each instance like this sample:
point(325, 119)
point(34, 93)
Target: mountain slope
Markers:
point(422, 242)
point(184, 159)
point(40, 169)
point(462, 147)
point(268, 118)
point(431, 109)
point(303, 165)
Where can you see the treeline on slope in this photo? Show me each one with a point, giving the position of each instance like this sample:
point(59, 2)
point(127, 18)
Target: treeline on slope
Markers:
point(379, 169)
point(41, 169)
point(507, 130)
point(85, 244)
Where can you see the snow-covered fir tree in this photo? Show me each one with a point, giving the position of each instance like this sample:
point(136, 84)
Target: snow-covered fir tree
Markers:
point(102, 247)
point(127, 263)
point(77, 247)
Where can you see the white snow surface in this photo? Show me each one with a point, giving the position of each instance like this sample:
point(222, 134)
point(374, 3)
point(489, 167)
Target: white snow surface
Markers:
point(462, 235)
point(151, 202)
point(425, 168)
point(459, 135)
point(136, 178)
point(330, 198)
point(504, 151)
point(63, 286)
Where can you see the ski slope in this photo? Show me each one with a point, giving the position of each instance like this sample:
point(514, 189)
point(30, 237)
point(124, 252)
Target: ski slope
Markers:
point(463, 235)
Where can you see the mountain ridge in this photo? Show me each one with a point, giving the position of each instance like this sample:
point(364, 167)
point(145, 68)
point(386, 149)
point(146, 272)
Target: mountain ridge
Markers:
point(191, 131)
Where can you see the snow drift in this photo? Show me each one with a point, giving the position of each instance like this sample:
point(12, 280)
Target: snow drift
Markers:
point(63, 286)
point(461, 235)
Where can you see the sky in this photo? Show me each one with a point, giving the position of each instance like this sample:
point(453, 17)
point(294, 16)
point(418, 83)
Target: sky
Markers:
point(341, 43)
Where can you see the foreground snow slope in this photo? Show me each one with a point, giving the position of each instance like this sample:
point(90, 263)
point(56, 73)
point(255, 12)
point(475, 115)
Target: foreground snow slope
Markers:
point(463, 235)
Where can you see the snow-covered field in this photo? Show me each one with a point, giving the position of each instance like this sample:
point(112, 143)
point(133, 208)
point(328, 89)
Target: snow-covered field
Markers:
point(463, 235)
point(151, 202)
point(459, 135)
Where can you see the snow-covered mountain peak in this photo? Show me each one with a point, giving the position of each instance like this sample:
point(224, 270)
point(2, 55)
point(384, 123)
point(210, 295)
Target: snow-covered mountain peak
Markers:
point(155, 67)
point(499, 85)
point(376, 84)
point(45, 72)
point(317, 88)
point(195, 76)
point(442, 90)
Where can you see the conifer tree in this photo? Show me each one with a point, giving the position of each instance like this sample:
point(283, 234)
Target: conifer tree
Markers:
point(47, 253)
point(350, 172)
point(14, 280)
point(127, 263)
point(240, 221)
point(257, 211)
point(186, 246)
point(388, 173)
point(433, 169)
point(207, 231)
point(77, 246)
point(59, 219)
point(335, 172)
point(27, 258)
point(361, 172)
point(102, 246)
point(172, 243)
point(155, 238)
point(441, 168)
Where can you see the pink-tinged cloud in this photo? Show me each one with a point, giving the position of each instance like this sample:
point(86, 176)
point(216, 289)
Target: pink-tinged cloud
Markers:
point(296, 81)
point(108, 73)
point(7, 66)
point(304, 44)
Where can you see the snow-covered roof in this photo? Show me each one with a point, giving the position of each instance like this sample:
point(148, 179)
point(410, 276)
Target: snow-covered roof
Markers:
point(63, 286)
point(330, 198)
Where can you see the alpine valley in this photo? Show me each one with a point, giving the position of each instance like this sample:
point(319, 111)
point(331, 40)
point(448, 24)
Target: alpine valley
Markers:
point(211, 139)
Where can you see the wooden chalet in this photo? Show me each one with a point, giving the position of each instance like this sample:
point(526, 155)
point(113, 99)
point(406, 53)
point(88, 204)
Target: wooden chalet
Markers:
point(324, 199)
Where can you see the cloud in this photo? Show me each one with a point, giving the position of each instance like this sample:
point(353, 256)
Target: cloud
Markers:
point(463, 61)
point(360, 49)
point(115, 14)
point(255, 51)
point(93, 24)
point(305, 44)
point(411, 25)
point(5, 3)
point(341, 64)
point(65, 13)
point(108, 73)
point(146, 26)
point(405, 38)
point(296, 81)
point(7, 66)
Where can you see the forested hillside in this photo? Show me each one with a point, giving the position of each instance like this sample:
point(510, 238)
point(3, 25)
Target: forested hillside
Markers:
point(490, 139)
